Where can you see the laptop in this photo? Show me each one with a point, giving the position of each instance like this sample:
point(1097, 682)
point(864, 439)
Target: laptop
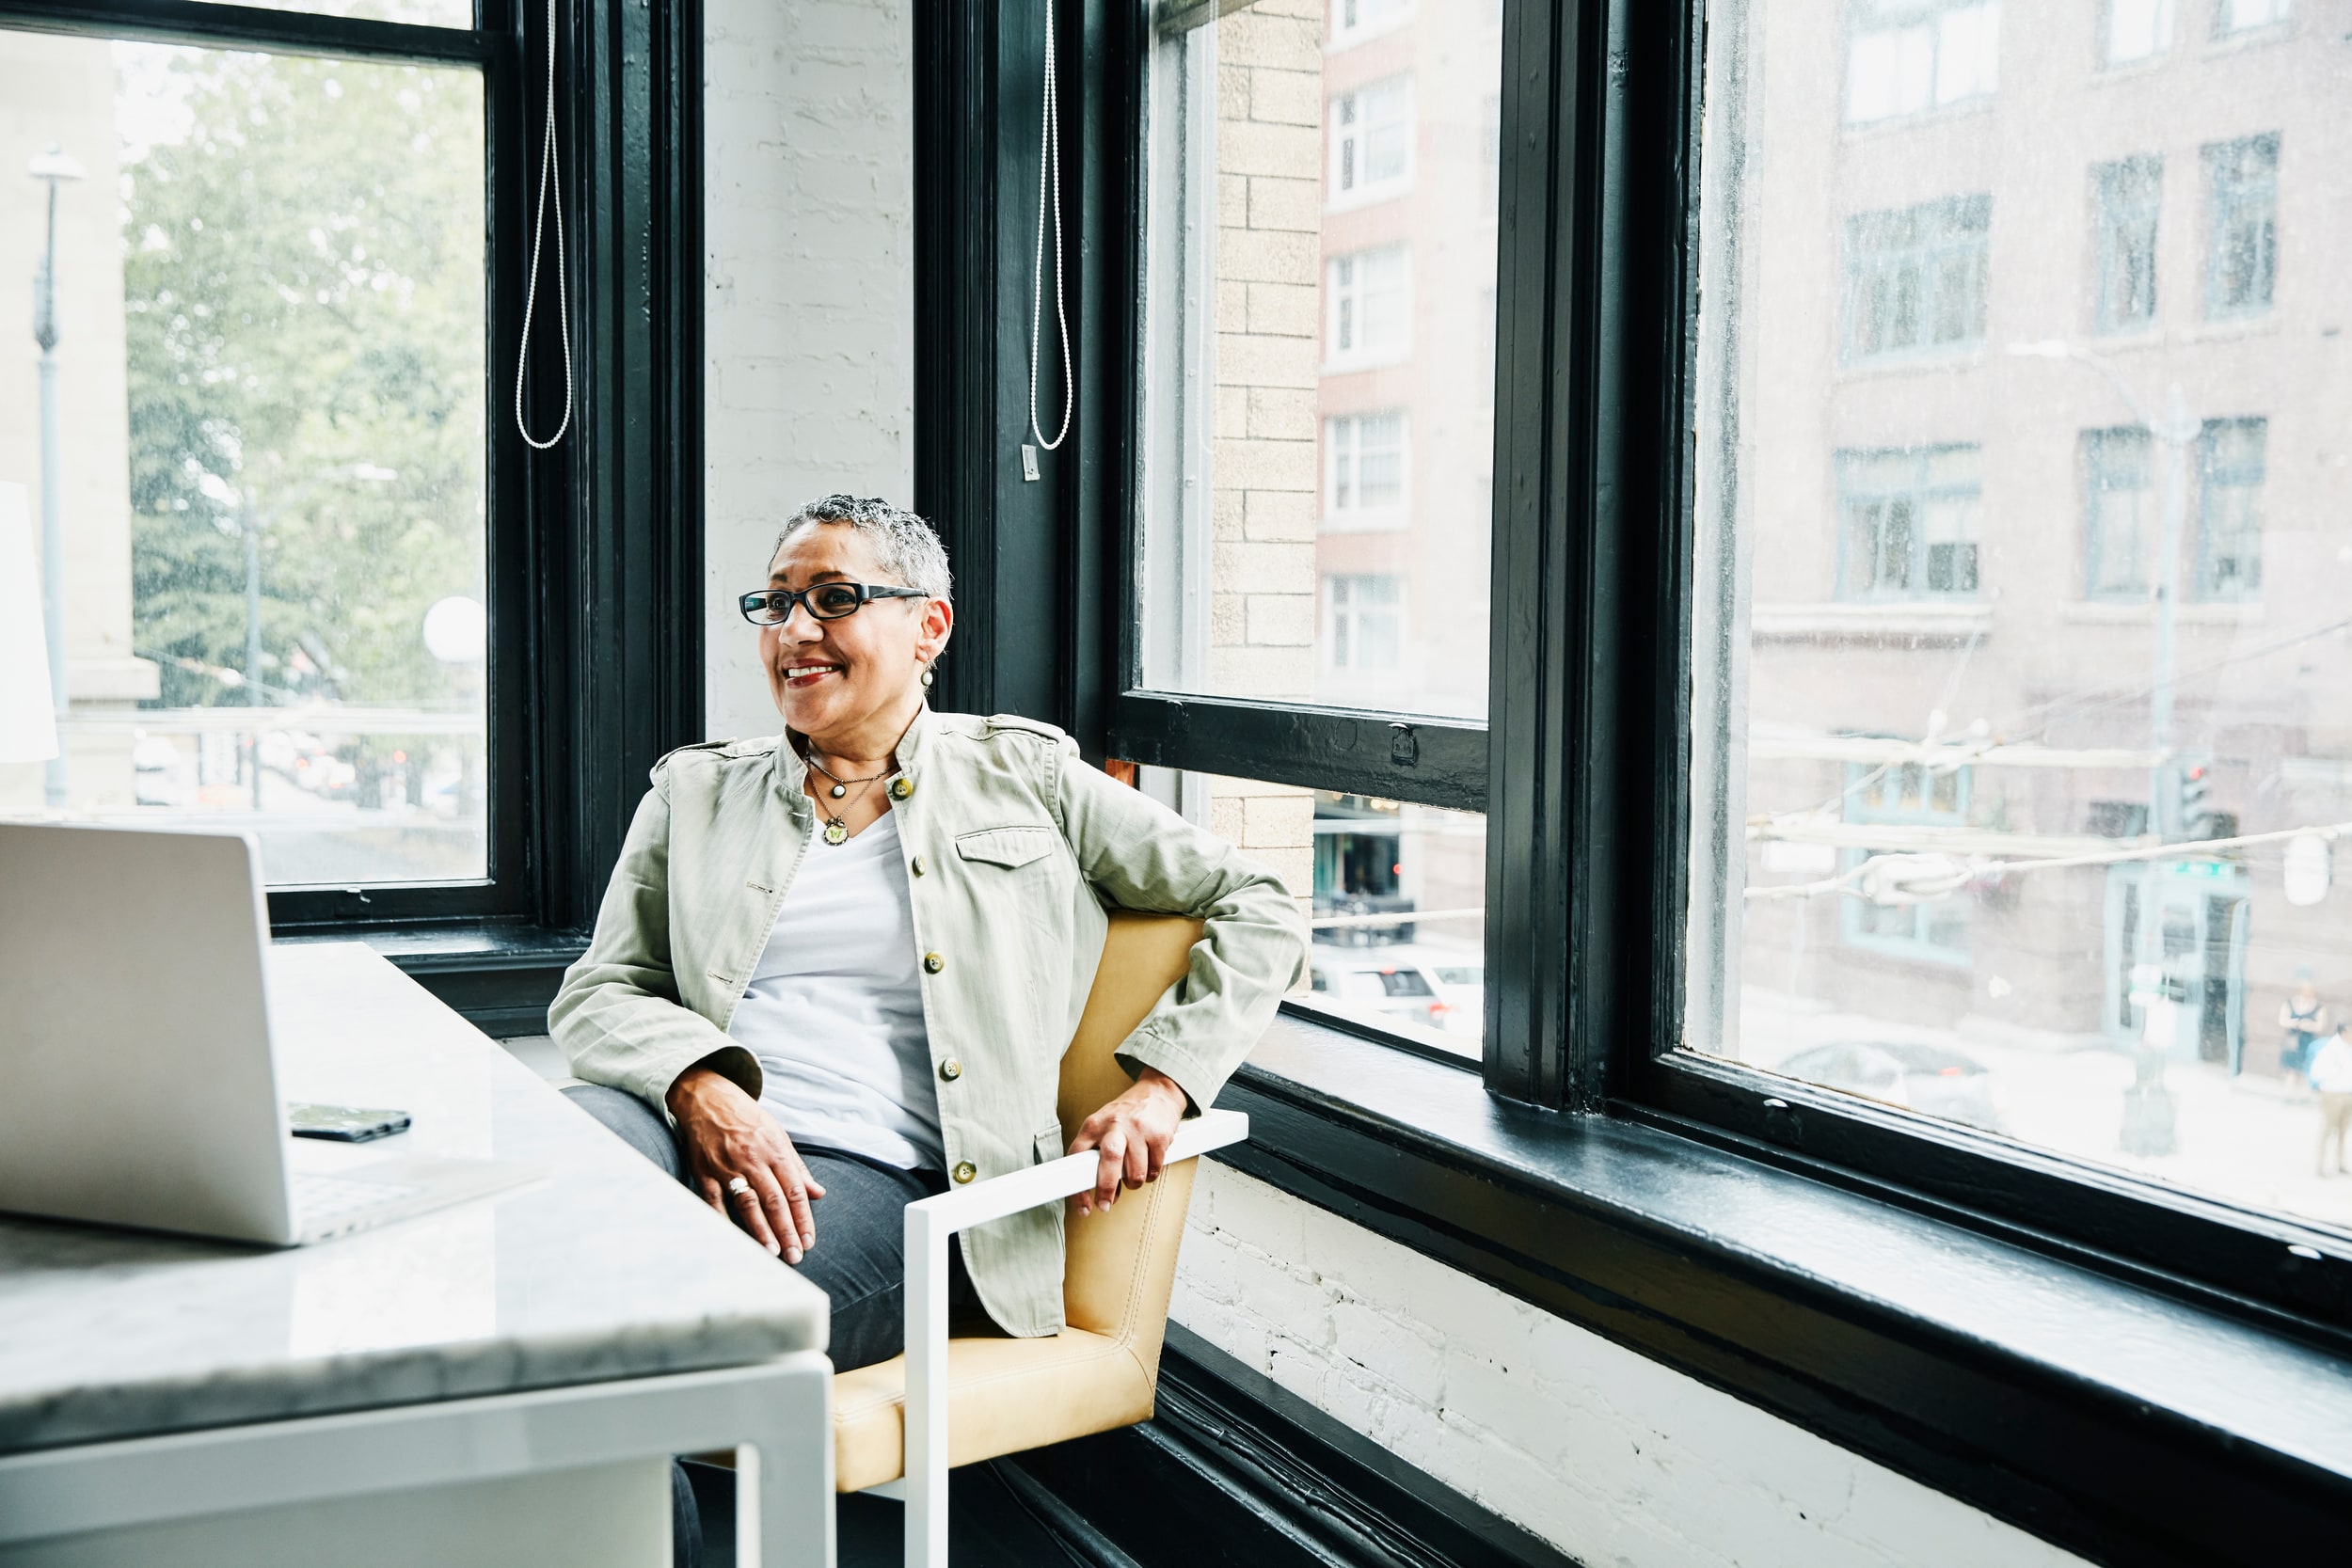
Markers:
point(139, 1078)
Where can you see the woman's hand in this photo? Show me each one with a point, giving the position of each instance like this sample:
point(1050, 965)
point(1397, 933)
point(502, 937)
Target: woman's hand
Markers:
point(1133, 1134)
point(726, 1134)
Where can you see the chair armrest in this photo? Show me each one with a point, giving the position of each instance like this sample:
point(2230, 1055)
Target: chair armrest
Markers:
point(929, 1223)
point(963, 1207)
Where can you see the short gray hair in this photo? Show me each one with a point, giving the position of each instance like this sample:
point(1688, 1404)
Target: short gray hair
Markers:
point(903, 544)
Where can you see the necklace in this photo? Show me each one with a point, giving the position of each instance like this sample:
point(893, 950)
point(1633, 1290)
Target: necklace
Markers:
point(837, 831)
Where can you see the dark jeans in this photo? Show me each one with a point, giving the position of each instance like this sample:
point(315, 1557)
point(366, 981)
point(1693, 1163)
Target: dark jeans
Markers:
point(859, 1259)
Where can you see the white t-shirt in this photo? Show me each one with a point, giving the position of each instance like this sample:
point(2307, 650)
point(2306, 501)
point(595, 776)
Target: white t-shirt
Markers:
point(835, 1008)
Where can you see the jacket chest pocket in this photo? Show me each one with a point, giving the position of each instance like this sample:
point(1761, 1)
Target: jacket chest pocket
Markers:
point(1008, 847)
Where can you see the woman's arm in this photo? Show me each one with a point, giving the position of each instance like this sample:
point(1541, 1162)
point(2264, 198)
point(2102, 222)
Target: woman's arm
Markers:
point(1143, 856)
point(617, 1016)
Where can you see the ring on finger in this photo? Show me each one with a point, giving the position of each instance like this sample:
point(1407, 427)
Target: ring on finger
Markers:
point(739, 1186)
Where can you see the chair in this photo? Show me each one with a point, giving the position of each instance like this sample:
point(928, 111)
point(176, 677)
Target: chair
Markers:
point(975, 1398)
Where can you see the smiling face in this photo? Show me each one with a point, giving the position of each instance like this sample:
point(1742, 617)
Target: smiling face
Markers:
point(851, 685)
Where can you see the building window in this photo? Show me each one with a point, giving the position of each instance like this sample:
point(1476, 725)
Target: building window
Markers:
point(2241, 259)
point(2230, 462)
point(2244, 16)
point(2138, 29)
point(1905, 58)
point(1354, 21)
point(1916, 276)
point(1371, 142)
point(2129, 192)
point(1924, 919)
point(1909, 521)
point(1363, 630)
point(1364, 472)
point(1371, 308)
point(2120, 514)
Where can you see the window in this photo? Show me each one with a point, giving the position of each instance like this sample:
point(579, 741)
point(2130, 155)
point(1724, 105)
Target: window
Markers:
point(2138, 29)
point(1371, 142)
point(2241, 257)
point(1395, 895)
point(1364, 470)
point(273, 335)
point(1318, 433)
point(2121, 525)
point(1370, 311)
point(1905, 58)
point(1910, 522)
point(2243, 16)
point(1894, 912)
point(1363, 623)
point(1352, 21)
point(2128, 195)
point(2070, 819)
point(1916, 276)
point(2228, 510)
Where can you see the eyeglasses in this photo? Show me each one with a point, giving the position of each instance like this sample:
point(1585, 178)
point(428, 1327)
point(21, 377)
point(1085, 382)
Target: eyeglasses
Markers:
point(827, 601)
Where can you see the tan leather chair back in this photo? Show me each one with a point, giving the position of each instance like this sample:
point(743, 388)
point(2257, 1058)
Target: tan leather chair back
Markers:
point(1120, 1266)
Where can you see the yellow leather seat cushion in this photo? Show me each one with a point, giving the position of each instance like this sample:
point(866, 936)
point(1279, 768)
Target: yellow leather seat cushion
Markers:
point(1003, 1396)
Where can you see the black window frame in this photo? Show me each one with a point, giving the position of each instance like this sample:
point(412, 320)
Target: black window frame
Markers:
point(1585, 768)
point(593, 549)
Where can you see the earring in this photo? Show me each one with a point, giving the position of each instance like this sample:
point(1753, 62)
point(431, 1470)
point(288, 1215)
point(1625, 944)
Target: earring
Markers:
point(927, 680)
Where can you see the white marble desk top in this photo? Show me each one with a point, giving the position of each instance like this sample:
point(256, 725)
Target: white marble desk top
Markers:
point(606, 1270)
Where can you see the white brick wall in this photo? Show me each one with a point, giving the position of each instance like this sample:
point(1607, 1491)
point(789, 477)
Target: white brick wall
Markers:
point(1613, 1458)
point(808, 290)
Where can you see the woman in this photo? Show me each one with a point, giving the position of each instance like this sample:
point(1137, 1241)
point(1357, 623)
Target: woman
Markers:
point(845, 962)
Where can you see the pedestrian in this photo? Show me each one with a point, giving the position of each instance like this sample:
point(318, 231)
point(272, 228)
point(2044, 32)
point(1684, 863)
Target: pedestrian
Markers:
point(2304, 1017)
point(2331, 1075)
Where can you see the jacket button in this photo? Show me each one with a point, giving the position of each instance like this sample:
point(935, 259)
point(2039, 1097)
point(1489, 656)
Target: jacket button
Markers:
point(951, 1069)
point(966, 1170)
point(900, 787)
point(918, 865)
point(933, 963)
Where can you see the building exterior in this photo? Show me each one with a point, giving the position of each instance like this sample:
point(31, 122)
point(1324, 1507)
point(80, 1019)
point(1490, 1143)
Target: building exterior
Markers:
point(2017, 285)
point(1338, 220)
point(60, 93)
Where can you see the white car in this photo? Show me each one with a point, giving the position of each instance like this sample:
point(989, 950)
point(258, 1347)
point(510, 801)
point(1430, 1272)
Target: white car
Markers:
point(1369, 979)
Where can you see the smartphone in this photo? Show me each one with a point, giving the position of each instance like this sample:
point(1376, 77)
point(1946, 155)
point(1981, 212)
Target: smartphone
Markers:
point(345, 1124)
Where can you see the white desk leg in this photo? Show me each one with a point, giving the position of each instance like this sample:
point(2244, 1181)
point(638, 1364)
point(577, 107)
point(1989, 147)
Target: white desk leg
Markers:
point(783, 1477)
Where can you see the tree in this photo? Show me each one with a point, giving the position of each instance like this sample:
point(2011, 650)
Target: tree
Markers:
point(303, 292)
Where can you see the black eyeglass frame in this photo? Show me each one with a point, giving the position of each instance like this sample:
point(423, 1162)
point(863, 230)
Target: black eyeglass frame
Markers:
point(765, 598)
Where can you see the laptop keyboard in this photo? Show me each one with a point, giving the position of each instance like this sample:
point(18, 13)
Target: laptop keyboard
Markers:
point(327, 1205)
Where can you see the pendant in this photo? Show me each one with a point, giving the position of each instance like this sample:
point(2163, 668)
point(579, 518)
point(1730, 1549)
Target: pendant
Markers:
point(837, 831)
point(837, 791)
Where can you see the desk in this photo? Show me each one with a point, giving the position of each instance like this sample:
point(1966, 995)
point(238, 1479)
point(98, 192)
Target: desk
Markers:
point(601, 1318)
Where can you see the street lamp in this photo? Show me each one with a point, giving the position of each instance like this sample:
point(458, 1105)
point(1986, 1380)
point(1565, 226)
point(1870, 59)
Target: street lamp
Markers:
point(2148, 1118)
point(55, 168)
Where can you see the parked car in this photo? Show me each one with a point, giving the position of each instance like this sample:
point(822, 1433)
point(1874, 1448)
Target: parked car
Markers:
point(1370, 980)
point(1932, 1080)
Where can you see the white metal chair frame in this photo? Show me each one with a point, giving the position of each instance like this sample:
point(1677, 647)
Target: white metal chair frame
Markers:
point(930, 1222)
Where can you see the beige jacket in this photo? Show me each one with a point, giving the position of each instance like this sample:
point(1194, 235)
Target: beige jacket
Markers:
point(1013, 847)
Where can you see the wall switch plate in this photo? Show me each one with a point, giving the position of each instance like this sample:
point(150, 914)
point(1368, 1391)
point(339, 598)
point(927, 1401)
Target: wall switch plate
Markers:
point(1029, 462)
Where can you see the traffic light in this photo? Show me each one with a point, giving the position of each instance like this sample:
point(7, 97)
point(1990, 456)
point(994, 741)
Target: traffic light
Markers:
point(2196, 812)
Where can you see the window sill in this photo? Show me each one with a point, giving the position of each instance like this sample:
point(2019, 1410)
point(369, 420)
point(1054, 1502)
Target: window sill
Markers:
point(501, 976)
point(2101, 1414)
point(2139, 613)
point(1907, 622)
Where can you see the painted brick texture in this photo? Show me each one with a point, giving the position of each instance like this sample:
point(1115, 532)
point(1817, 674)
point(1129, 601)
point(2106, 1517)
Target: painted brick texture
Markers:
point(1614, 1459)
point(808, 290)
